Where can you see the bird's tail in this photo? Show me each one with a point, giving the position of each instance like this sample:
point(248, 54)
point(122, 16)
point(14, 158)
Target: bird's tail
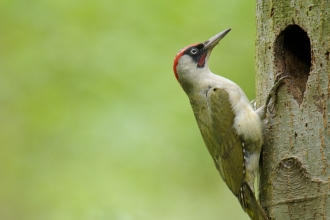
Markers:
point(250, 204)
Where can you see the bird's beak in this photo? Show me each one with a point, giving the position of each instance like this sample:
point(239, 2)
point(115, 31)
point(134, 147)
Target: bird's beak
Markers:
point(209, 44)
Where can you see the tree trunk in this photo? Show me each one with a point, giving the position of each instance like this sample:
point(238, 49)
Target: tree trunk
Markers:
point(293, 39)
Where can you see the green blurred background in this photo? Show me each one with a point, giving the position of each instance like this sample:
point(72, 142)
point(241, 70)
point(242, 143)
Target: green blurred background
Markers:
point(93, 123)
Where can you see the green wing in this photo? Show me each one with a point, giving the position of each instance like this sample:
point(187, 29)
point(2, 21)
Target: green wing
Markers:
point(225, 145)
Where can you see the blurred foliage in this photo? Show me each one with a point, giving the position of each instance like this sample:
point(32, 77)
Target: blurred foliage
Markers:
point(93, 123)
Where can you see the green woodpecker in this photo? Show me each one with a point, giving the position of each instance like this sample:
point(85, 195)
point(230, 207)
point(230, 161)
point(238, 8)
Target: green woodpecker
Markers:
point(230, 127)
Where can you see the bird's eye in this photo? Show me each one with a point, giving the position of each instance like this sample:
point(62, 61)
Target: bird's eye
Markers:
point(194, 51)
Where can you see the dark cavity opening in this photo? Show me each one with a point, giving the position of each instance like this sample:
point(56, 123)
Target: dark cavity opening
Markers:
point(293, 58)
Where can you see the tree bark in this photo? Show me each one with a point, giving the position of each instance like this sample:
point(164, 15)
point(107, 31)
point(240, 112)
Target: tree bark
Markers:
point(293, 39)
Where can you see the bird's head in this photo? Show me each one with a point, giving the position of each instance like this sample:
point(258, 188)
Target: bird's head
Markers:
point(192, 60)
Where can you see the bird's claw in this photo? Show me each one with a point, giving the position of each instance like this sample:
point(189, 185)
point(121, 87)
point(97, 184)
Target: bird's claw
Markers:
point(254, 104)
point(272, 94)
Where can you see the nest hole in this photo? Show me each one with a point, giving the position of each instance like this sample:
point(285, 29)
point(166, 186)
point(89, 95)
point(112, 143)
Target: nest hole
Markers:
point(293, 58)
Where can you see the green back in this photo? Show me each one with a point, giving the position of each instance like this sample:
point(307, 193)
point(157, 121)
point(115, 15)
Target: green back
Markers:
point(225, 145)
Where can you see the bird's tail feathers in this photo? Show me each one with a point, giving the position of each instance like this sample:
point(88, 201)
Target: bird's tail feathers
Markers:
point(250, 204)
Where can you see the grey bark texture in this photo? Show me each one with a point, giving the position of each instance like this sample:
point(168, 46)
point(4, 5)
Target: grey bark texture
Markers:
point(293, 39)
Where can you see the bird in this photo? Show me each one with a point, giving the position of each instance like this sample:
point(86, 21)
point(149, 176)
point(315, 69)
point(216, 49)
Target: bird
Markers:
point(230, 126)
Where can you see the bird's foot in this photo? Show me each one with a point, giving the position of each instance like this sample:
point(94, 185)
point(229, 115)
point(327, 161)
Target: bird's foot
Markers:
point(254, 104)
point(271, 98)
